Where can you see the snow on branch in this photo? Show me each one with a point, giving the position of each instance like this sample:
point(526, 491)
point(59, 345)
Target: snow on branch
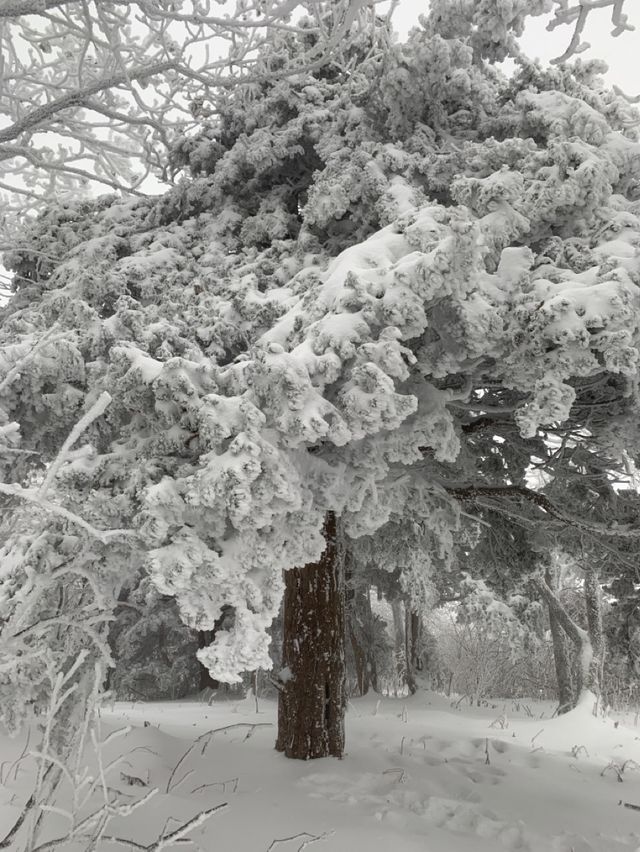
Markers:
point(37, 496)
point(31, 495)
point(578, 15)
point(97, 410)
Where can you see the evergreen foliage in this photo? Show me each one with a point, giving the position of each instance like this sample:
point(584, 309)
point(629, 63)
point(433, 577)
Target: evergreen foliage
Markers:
point(375, 268)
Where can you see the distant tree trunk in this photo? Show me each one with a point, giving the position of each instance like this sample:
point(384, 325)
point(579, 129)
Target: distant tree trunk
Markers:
point(449, 685)
point(399, 639)
point(412, 647)
point(588, 667)
point(593, 607)
point(355, 627)
point(416, 642)
point(312, 697)
point(363, 681)
point(360, 625)
point(561, 657)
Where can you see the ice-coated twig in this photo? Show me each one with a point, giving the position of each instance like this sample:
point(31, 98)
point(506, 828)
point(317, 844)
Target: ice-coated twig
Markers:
point(632, 99)
point(190, 825)
point(619, 769)
point(396, 770)
point(578, 15)
point(307, 841)
point(97, 410)
point(205, 739)
point(14, 766)
point(535, 736)
point(223, 784)
point(31, 496)
point(48, 337)
point(38, 496)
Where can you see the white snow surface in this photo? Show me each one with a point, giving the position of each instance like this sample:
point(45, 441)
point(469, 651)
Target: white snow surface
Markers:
point(414, 778)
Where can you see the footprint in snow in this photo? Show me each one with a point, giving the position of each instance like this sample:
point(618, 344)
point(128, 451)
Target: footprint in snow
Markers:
point(571, 843)
point(468, 818)
point(477, 772)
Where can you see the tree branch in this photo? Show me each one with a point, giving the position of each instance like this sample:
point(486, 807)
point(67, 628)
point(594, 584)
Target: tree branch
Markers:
point(30, 496)
point(580, 13)
point(38, 116)
point(470, 492)
point(573, 631)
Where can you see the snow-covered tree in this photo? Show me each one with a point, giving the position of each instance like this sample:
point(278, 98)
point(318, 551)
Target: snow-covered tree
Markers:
point(93, 94)
point(301, 340)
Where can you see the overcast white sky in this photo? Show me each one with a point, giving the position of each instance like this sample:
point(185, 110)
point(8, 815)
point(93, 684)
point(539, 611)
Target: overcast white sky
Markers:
point(622, 54)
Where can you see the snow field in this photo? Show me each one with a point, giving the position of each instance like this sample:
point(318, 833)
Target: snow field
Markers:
point(419, 774)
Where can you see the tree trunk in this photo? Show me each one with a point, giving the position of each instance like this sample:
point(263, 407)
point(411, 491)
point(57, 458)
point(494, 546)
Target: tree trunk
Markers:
point(399, 640)
point(312, 697)
point(593, 607)
point(566, 694)
point(412, 647)
point(360, 622)
point(416, 642)
point(586, 670)
point(363, 681)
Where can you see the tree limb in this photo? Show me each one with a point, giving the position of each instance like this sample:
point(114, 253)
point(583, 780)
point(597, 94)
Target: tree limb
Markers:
point(573, 631)
point(470, 492)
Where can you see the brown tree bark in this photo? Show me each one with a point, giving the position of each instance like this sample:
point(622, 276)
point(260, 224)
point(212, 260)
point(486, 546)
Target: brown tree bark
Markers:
point(312, 696)
point(566, 693)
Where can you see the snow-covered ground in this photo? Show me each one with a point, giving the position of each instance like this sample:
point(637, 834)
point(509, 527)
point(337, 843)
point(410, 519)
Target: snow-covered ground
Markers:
point(415, 777)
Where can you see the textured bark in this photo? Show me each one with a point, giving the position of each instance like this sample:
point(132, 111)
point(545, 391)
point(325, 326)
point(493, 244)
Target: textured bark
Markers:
point(566, 694)
point(312, 696)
